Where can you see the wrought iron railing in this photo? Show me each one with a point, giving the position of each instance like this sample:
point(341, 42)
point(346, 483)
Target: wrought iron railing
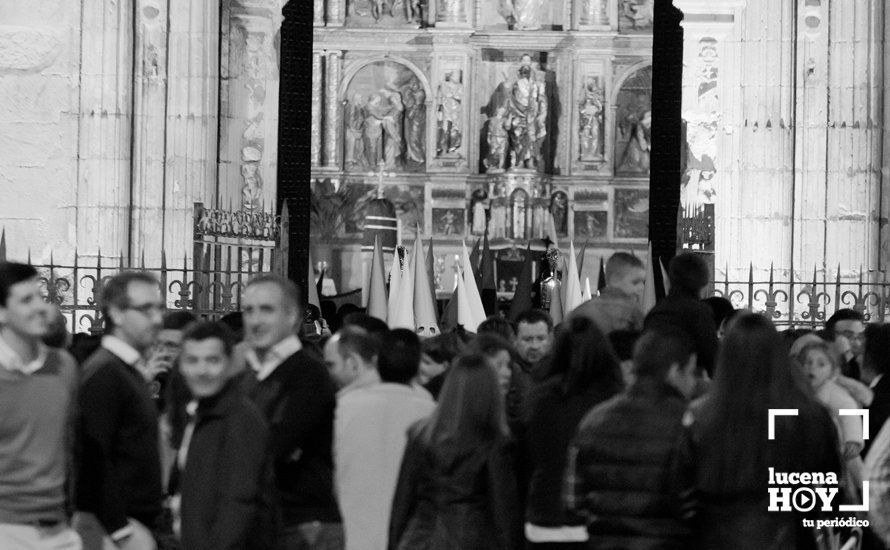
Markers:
point(809, 301)
point(224, 258)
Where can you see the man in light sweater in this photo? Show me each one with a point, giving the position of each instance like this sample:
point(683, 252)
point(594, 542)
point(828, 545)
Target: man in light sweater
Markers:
point(374, 410)
point(37, 397)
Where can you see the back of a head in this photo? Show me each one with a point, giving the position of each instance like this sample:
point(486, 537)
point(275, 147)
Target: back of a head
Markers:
point(374, 326)
point(688, 274)
point(877, 349)
point(619, 264)
point(623, 342)
point(753, 374)
point(235, 321)
point(721, 308)
point(12, 273)
point(497, 325)
point(657, 350)
point(443, 348)
point(489, 343)
point(845, 314)
point(178, 319)
point(399, 356)
point(470, 409)
point(354, 339)
point(583, 357)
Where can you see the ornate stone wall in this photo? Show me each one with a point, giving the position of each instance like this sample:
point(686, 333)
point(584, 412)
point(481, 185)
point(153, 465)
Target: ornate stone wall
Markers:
point(475, 115)
point(782, 103)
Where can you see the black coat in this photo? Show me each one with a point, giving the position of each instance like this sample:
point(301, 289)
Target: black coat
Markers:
point(626, 477)
point(550, 421)
point(470, 503)
point(227, 476)
point(298, 401)
point(693, 316)
point(119, 464)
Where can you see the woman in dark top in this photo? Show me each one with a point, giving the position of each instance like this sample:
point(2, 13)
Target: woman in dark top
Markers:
point(583, 371)
point(457, 487)
point(728, 451)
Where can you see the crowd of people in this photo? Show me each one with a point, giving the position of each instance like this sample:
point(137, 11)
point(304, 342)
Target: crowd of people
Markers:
point(612, 430)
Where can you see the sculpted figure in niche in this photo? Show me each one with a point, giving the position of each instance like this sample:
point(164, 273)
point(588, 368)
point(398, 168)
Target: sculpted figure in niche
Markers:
point(392, 127)
point(640, 12)
point(374, 113)
point(522, 15)
point(449, 99)
point(377, 7)
point(497, 140)
point(415, 115)
point(559, 208)
point(355, 125)
point(591, 121)
point(526, 116)
point(636, 154)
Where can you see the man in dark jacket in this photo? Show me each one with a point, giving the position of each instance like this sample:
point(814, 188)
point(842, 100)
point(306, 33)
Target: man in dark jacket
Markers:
point(225, 472)
point(297, 396)
point(118, 489)
point(623, 471)
point(682, 308)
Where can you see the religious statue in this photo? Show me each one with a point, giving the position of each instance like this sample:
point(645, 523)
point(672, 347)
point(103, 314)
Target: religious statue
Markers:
point(377, 7)
point(497, 140)
point(550, 283)
point(478, 201)
point(253, 185)
point(415, 12)
point(355, 125)
point(526, 116)
point(449, 98)
point(640, 12)
point(448, 222)
point(522, 15)
point(636, 154)
point(497, 226)
point(559, 209)
point(415, 127)
point(384, 112)
point(591, 121)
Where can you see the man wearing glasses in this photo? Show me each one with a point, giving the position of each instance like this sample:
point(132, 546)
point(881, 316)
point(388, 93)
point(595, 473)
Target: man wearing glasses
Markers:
point(119, 492)
point(851, 325)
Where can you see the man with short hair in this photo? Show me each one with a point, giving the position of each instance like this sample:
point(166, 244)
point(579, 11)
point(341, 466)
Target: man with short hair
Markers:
point(38, 387)
point(119, 491)
point(295, 392)
point(371, 427)
point(618, 305)
point(351, 358)
point(534, 337)
point(684, 310)
point(851, 325)
point(637, 432)
point(224, 474)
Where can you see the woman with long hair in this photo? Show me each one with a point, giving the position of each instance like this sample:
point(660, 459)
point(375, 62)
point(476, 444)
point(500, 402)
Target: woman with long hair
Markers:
point(730, 453)
point(582, 372)
point(457, 487)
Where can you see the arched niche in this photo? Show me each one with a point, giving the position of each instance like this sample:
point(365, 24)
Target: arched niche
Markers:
point(386, 105)
point(632, 116)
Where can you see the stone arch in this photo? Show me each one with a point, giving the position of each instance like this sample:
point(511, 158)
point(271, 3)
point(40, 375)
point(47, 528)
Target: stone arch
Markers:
point(629, 72)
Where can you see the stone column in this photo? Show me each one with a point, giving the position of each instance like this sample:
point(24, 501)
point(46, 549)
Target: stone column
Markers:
point(451, 13)
point(192, 119)
point(149, 106)
point(332, 110)
point(318, 13)
point(317, 95)
point(249, 83)
point(336, 12)
point(106, 127)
